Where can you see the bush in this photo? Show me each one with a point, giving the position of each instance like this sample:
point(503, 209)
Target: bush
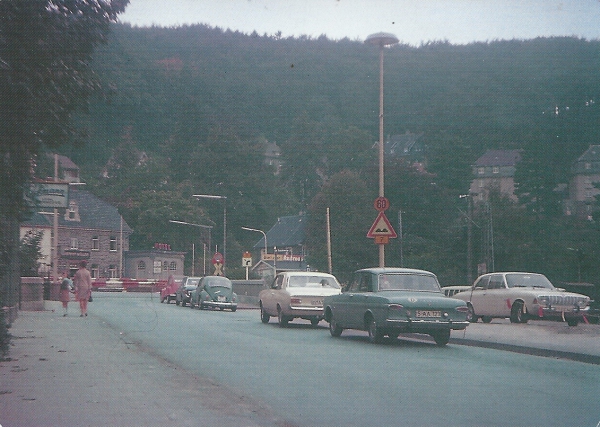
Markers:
point(4, 335)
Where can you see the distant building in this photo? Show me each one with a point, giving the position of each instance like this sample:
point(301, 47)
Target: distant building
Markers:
point(155, 264)
point(70, 171)
point(407, 145)
point(89, 229)
point(273, 156)
point(286, 250)
point(585, 175)
point(495, 171)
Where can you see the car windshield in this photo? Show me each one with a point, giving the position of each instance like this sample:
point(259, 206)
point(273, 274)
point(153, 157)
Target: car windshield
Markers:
point(218, 282)
point(408, 282)
point(192, 282)
point(528, 281)
point(311, 281)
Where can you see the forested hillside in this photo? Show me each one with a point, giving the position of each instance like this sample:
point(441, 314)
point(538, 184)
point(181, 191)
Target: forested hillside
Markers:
point(188, 110)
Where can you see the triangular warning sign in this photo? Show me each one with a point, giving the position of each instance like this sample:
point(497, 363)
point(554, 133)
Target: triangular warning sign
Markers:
point(381, 227)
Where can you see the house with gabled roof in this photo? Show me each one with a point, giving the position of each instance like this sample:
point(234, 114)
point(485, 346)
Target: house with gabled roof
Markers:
point(89, 229)
point(407, 145)
point(286, 248)
point(583, 190)
point(495, 171)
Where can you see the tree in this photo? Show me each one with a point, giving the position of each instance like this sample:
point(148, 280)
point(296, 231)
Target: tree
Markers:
point(351, 213)
point(46, 48)
point(30, 254)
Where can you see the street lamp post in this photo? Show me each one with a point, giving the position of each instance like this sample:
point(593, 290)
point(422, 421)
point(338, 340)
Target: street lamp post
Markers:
point(224, 198)
point(381, 40)
point(266, 246)
point(209, 227)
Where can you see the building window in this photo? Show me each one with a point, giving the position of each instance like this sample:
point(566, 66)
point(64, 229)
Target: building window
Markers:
point(480, 171)
point(112, 271)
point(95, 271)
point(173, 266)
point(481, 183)
point(588, 166)
point(95, 243)
point(74, 243)
point(165, 265)
point(113, 243)
point(141, 265)
point(495, 169)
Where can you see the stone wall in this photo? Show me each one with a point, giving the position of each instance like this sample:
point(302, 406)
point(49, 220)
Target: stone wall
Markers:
point(32, 294)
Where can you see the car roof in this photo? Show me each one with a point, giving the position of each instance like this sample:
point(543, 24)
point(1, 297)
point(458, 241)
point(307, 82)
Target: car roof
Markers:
point(306, 273)
point(511, 272)
point(383, 270)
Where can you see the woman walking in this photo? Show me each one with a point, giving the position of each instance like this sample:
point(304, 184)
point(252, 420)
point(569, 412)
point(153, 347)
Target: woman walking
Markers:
point(83, 287)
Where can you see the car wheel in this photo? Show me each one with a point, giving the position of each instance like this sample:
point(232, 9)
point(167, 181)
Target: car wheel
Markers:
point(281, 319)
point(334, 329)
point(233, 309)
point(517, 313)
point(264, 317)
point(394, 335)
point(314, 322)
point(191, 304)
point(441, 338)
point(375, 333)
point(572, 322)
point(486, 319)
point(471, 317)
point(176, 301)
point(183, 303)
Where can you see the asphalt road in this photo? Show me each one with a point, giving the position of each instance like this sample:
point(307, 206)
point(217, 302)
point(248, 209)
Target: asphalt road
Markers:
point(136, 362)
point(309, 378)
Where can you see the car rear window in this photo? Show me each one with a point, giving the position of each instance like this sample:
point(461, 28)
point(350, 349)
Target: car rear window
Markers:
point(408, 282)
point(220, 282)
point(312, 282)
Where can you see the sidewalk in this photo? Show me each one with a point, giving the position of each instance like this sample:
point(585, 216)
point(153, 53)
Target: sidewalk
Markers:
point(56, 375)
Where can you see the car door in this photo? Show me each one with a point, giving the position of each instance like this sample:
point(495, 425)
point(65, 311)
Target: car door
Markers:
point(494, 296)
point(356, 306)
point(342, 301)
point(478, 293)
point(270, 300)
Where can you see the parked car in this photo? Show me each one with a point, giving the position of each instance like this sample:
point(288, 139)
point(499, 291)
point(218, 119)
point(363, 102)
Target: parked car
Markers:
point(182, 294)
point(214, 292)
point(297, 294)
point(520, 297)
point(451, 290)
point(391, 301)
point(167, 294)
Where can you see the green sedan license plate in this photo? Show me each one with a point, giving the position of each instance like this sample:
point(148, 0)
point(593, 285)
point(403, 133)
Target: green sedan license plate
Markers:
point(429, 313)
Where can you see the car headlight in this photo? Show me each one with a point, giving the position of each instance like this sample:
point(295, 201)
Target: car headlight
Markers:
point(542, 300)
point(583, 302)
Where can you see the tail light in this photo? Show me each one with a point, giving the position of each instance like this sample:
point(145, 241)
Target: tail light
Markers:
point(463, 309)
point(296, 301)
point(395, 306)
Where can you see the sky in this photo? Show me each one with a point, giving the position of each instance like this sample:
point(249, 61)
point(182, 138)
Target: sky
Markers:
point(412, 21)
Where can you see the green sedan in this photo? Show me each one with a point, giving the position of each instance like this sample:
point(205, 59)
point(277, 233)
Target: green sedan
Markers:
point(391, 301)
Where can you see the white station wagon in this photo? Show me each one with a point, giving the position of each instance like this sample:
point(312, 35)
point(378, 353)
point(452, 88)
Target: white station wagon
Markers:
point(297, 294)
point(522, 296)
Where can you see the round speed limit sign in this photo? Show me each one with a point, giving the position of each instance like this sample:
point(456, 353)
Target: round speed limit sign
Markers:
point(381, 204)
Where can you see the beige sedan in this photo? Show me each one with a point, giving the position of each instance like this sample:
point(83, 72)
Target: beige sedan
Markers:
point(297, 294)
point(520, 297)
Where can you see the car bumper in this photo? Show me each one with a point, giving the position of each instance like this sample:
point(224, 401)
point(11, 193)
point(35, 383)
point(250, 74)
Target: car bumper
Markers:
point(424, 324)
point(561, 314)
point(305, 312)
point(217, 304)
